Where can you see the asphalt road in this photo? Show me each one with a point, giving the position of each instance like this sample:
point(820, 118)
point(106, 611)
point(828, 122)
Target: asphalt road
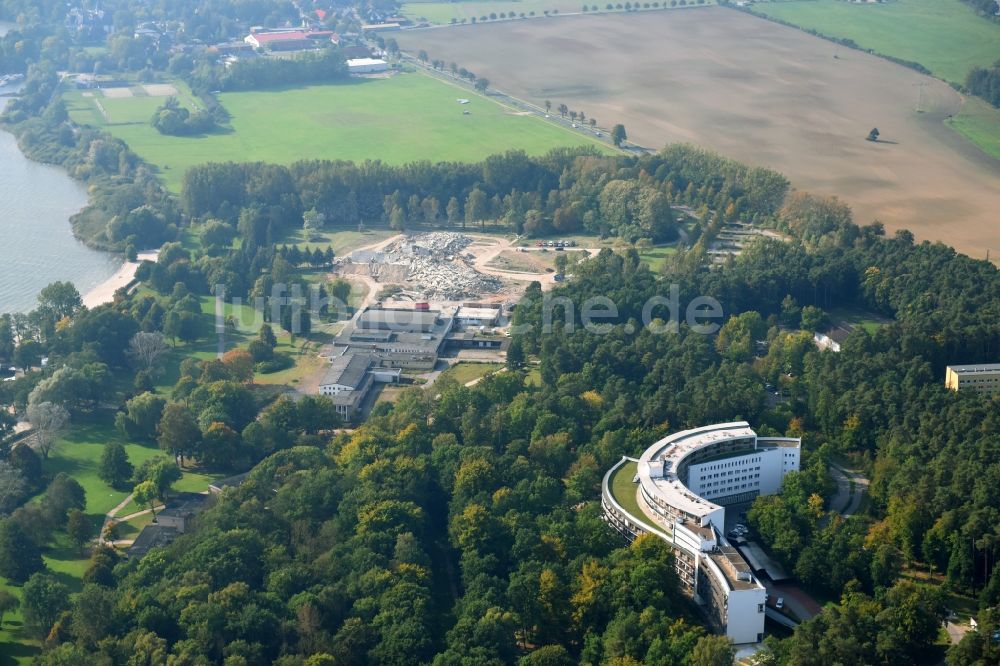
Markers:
point(851, 487)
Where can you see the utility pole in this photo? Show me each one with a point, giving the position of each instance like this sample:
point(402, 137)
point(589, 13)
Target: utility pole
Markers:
point(920, 96)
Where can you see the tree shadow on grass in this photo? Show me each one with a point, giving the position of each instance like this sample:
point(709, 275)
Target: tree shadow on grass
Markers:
point(12, 653)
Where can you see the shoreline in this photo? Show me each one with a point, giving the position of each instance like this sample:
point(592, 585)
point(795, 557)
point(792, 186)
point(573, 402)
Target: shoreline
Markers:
point(105, 292)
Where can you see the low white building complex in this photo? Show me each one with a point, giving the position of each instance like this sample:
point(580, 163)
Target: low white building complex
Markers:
point(678, 490)
point(366, 65)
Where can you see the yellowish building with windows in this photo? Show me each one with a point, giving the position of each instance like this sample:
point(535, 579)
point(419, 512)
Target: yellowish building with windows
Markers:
point(981, 378)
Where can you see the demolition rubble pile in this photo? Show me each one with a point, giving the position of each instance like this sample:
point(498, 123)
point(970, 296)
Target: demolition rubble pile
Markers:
point(432, 264)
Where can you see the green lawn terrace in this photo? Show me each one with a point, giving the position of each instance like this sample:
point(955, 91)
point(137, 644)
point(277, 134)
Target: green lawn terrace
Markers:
point(624, 491)
point(403, 118)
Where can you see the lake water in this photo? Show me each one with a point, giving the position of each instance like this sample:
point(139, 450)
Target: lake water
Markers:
point(36, 242)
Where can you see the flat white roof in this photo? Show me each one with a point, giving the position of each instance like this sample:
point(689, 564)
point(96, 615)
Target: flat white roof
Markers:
point(362, 62)
point(975, 367)
point(671, 451)
point(478, 313)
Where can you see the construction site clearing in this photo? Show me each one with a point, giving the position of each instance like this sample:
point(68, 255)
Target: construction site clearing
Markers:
point(436, 266)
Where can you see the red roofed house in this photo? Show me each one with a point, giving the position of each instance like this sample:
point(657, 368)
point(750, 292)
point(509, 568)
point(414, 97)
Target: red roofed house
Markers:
point(290, 40)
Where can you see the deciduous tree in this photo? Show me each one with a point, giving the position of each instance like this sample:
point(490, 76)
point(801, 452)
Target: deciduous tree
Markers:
point(43, 600)
point(618, 134)
point(49, 421)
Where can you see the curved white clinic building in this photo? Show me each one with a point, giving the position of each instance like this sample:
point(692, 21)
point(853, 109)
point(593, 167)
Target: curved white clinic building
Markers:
point(678, 490)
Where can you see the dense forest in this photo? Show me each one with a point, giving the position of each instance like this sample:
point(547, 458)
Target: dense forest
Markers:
point(463, 527)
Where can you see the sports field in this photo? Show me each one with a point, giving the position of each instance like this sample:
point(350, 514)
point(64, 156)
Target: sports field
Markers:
point(401, 119)
point(945, 36)
point(759, 92)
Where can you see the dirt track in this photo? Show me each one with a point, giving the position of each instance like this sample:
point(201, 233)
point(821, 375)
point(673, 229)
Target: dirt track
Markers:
point(760, 93)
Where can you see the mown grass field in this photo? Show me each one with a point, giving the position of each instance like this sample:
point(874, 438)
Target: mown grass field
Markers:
point(405, 118)
point(85, 106)
point(945, 36)
point(654, 257)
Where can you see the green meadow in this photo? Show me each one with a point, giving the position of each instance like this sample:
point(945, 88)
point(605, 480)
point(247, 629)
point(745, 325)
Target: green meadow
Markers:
point(945, 36)
point(404, 118)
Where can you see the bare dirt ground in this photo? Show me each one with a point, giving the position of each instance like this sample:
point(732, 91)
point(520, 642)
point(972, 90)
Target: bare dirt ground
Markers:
point(758, 92)
point(160, 89)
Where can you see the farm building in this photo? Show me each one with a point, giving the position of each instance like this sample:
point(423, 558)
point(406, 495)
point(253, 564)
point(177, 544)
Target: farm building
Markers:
point(366, 65)
point(290, 40)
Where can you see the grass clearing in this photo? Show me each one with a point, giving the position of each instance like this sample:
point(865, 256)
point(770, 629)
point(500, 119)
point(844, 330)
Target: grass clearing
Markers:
point(979, 123)
point(130, 529)
point(79, 452)
point(523, 262)
point(654, 257)
point(401, 119)
point(390, 393)
point(342, 241)
point(857, 318)
point(945, 36)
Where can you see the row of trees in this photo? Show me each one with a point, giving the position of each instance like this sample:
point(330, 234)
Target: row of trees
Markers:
point(985, 82)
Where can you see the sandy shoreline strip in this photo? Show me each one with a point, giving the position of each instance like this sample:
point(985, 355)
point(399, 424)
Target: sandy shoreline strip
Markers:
point(105, 292)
